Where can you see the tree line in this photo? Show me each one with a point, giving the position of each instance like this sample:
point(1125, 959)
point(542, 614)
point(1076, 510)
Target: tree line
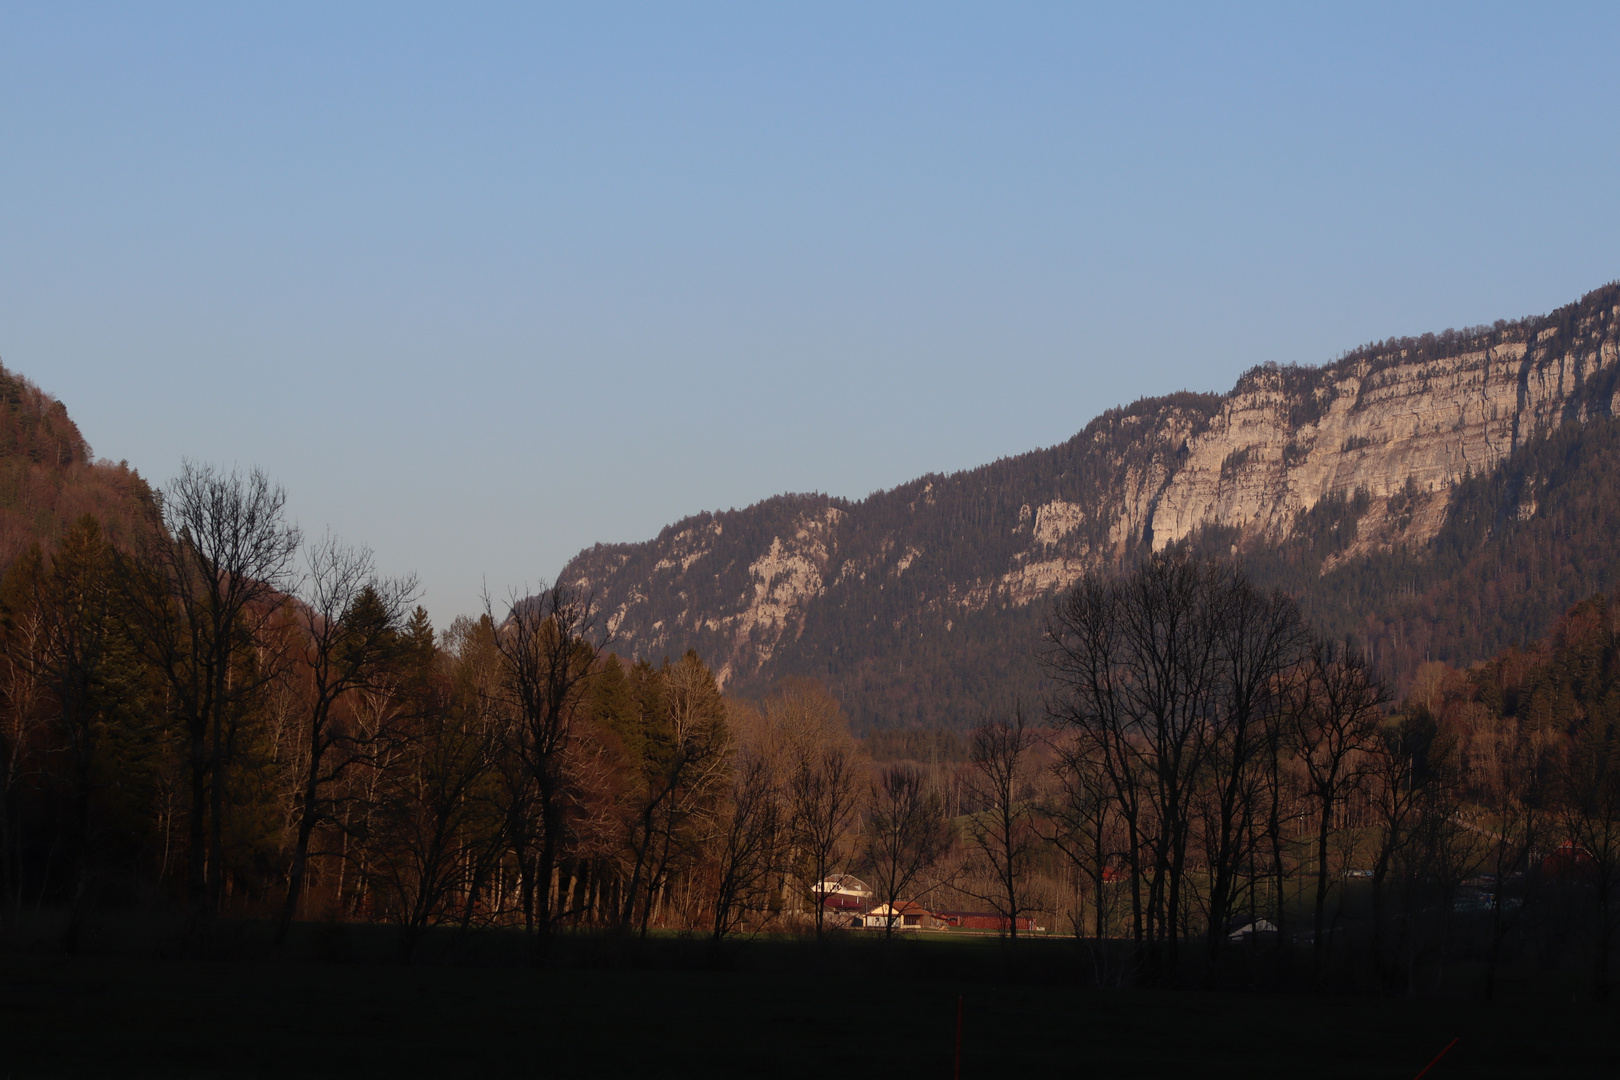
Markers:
point(221, 717)
point(225, 718)
point(1226, 775)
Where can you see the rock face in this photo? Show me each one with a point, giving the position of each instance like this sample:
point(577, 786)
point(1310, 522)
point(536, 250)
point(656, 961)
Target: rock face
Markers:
point(816, 585)
point(1384, 428)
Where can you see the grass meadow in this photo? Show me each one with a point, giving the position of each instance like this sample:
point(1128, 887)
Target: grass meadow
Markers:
point(338, 1003)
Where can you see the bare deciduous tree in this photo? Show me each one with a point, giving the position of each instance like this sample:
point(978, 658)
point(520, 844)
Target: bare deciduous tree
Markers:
point(213, 571)
point(1406, 774)
point(548, 648)
point(1261, 637)
point(1172, 684)
point(906, 835)
point(1523, 779)
point(1139, 663)
point(1334, 717)
point(435, 818)
point(822, 796)
point(1080, 819)
point(810, 739)
point(685, 763)
point(1592, 821)
point(1002, 828)
point(747, 856)
point(352, 632)
point(70, 609)
point(23, 714)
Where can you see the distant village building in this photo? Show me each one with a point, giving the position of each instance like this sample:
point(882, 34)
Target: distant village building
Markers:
point(986, 920)
point(904, 915)
point(848, 903)
point(1568, 860)
point(1244, 927)
point(844, 893)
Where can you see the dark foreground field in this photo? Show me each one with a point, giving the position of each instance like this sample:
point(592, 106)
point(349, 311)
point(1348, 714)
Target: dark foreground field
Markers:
point(762, 1009)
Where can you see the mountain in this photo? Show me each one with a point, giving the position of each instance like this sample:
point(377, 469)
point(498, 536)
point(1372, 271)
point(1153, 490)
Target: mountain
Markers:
point(1438, 496)
point(49, 478)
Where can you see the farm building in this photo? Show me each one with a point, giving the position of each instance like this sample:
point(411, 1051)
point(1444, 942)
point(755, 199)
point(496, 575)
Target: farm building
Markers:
point(985, 920)
point(843, 892)
point(1244, 927)
point(904, 915)
point(1568, 860)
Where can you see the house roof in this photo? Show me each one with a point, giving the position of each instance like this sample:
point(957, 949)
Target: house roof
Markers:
point(845, 883)
point(901, 907)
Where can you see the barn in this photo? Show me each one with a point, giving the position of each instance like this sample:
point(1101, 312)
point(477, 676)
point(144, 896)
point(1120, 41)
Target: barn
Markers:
point(987, 920)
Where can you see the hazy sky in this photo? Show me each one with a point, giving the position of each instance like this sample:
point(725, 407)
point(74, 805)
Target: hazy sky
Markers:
point(483, 285)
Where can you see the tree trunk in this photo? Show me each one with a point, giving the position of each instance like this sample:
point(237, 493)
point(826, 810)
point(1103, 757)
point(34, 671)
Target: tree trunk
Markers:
point(197, 830)
point(300, 859)
point(1605, 939)
point(216, 824)
point(82, 873)
point(1318, 946)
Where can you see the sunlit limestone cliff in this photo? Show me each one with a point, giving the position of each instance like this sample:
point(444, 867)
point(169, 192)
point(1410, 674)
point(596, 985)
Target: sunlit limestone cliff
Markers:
point(1365, 487)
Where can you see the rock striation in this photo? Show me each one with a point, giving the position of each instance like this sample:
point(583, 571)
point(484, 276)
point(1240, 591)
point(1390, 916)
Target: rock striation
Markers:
point(811, 584)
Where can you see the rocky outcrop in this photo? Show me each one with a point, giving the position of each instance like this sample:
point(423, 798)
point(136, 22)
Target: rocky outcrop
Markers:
point(798, 583)
point(1387, 425)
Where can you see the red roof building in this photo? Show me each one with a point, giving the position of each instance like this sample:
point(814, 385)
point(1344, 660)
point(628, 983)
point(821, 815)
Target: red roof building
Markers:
point(985, 920)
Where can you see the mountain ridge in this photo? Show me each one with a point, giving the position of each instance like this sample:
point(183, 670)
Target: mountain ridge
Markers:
point(851, 591)
point(49, 477)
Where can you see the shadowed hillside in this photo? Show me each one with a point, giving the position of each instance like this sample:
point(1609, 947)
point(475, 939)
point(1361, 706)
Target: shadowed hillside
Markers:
point(48, 478)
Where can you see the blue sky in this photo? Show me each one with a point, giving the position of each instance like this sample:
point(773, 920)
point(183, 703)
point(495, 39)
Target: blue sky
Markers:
point(486, 284)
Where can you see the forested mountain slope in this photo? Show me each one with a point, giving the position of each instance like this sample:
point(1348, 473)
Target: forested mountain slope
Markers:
point(1440, 496)
point(48, 477)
